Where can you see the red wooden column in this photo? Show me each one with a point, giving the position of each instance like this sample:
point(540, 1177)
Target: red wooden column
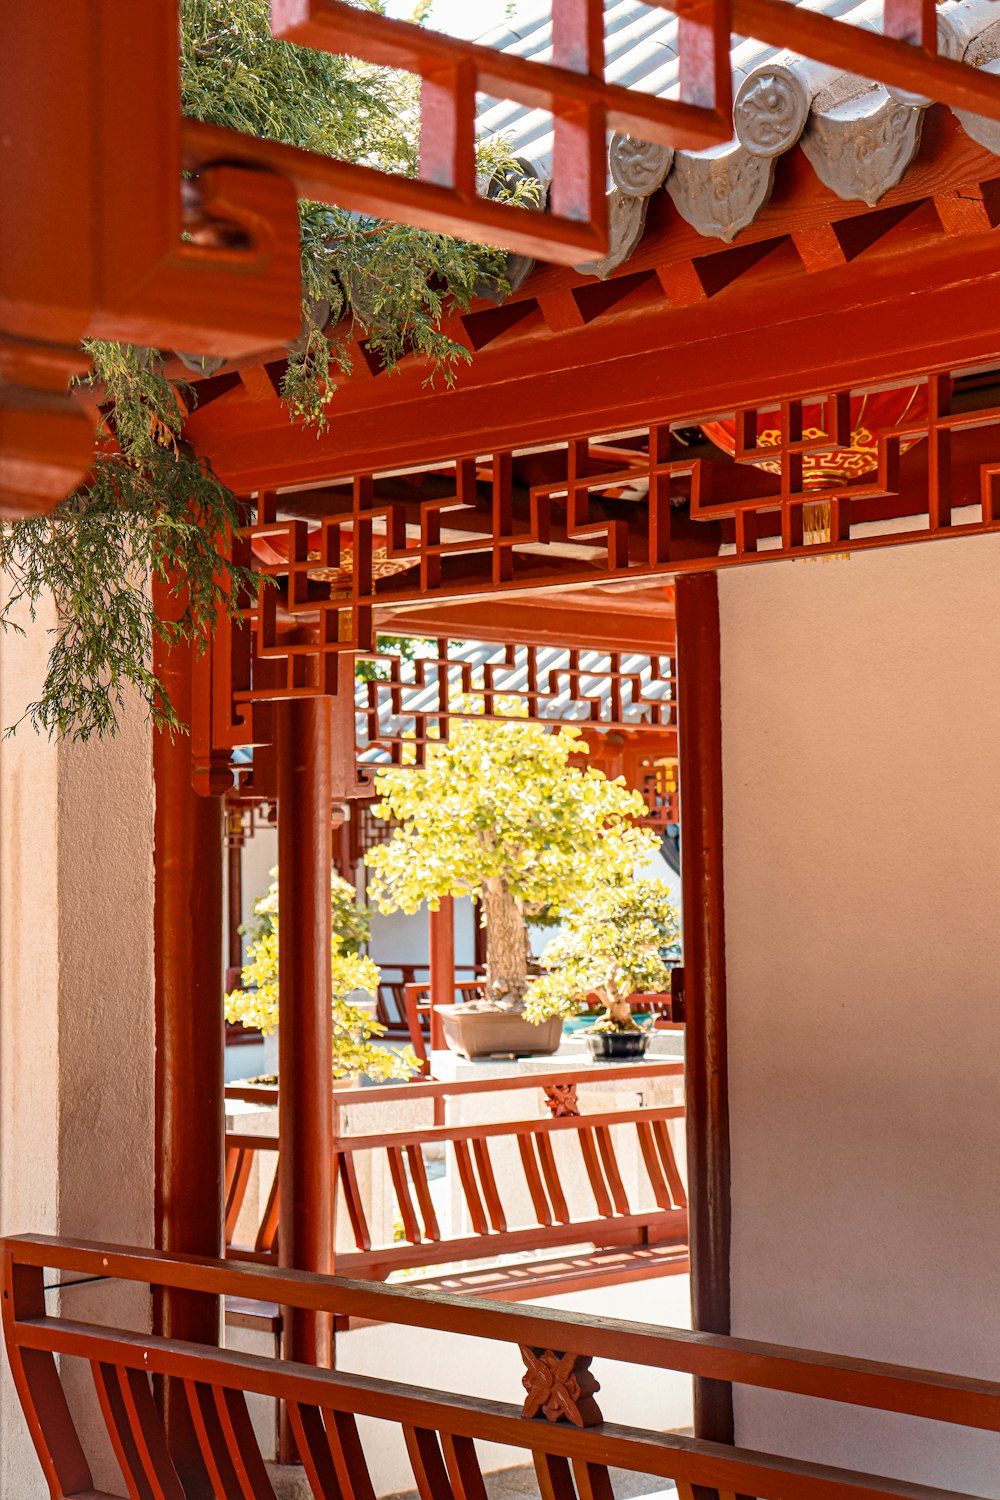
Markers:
point(305, 1110)
point(190, 1121)
point(442, 962)
point(706, 1069)
point(234, 893)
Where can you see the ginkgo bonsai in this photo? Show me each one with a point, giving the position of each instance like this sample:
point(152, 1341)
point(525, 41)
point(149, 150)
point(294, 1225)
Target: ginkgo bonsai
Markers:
point(499, 813)
point(355, 1030)
point(616, 943)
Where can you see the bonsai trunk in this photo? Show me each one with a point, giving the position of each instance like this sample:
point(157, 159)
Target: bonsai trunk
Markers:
point(619, 1012)
point(506, 944)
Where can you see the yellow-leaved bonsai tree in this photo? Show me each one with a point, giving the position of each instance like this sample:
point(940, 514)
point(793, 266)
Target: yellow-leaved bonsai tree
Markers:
point(355, 1030)
point(621, 940)
point(499, 813)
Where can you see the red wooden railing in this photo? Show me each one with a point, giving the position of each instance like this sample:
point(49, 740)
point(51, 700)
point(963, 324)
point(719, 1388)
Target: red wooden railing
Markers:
point(630, 1241)
point(392, 1011)
point(559, 1426)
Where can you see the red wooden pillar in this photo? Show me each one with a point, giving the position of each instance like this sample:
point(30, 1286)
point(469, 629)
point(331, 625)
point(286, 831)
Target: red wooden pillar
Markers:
point(190, 1120)
point(234, 892)
point(706, 1067)
point(305, 1108)
point(442, 961)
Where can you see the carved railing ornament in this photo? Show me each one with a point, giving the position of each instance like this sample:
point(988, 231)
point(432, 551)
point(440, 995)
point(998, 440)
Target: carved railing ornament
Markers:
point(561, 1100)
point(560, 1387)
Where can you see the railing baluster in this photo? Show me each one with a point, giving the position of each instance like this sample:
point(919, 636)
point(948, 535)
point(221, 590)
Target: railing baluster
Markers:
point(352, 1198)
point(208, 1430)
point(348, 1456)
point(666, 1150)
point(539, 1202)
point(239, 1164)
point(606, 1146)
point(401, 1187)
point(490, 1192)
point(590, 1160)
point(427, 1463)
point(267, 1233)
point(463, 1467)
point(555, 1480)
point(150, 1438)
point(314, 1450)
point(241, 1443)
point(109, 1393)
point(470, 1187)
point(654, 1172)
point(418, 1172)
point(593, 1482)
point(551, 1174)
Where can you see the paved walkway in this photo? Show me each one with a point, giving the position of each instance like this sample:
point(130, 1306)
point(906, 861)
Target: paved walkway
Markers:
point(521, 1484)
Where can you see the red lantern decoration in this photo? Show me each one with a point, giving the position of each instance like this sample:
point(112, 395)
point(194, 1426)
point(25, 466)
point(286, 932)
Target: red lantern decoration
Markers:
point(826, 467)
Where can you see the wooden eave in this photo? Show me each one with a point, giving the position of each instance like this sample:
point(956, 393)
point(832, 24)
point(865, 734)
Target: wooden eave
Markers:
point(816, 295)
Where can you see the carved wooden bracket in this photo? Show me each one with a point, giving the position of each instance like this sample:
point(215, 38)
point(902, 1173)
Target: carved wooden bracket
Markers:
point(560, 1387)
point(561, 1100)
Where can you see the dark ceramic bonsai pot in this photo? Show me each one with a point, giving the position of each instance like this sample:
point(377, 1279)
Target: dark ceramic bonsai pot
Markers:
point(616, 1046)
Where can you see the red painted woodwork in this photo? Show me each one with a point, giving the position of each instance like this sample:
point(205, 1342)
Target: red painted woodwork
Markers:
point(442, 964)
point(640, 1242)
point(572, 88)
point(189, 1112)
point(650, 502)
point(642, 620)
point(610, 698)
point(644, 360)
point(91, 221)
point(305, 1036)
point(898, 58)
point(347, 1097)
point(154, 267)
point(440, 1428)
point(703, 939)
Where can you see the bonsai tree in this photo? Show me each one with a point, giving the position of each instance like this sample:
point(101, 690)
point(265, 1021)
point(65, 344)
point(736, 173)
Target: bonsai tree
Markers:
point(615, 944)
point(355, 1032)
point(500, 814)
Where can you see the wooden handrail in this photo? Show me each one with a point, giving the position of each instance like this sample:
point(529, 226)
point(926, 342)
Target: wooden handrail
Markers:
point(560, 1424)
point(257, 1093)
point(428, 1135)
point(962, 1400)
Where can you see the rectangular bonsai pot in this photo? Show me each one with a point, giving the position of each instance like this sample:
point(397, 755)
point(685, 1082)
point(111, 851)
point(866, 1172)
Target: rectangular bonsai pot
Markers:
point(497, 1033)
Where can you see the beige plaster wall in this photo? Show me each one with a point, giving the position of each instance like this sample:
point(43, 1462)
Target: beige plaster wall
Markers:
point(76, 1008)
point(861, 724)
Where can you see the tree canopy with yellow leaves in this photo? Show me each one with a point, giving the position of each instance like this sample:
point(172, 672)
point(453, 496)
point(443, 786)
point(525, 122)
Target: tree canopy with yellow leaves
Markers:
point(500, 813)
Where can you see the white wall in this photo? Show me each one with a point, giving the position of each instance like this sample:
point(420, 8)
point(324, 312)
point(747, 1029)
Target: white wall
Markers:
point(76, 1011)
point(861, 726)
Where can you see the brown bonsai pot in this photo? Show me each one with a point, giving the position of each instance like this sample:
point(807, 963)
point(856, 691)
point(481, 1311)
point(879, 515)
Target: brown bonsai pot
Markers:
point(497, 1033)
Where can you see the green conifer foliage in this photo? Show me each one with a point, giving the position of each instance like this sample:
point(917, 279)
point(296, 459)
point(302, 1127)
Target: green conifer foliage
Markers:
point(150, 506)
